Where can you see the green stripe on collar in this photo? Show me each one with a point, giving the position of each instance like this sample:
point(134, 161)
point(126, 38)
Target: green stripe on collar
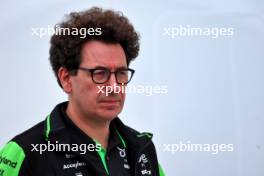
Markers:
point(149, 135)
point(47, 132)
point(122, 140)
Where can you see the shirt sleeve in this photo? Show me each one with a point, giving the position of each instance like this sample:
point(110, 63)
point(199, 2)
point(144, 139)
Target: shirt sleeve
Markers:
point(12, 160)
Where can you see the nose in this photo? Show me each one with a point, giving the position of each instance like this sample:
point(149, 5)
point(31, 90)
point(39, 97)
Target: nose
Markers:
point(111, 85)
point(112, 80)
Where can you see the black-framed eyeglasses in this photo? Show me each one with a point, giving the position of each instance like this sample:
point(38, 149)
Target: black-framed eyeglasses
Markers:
point(102, 75)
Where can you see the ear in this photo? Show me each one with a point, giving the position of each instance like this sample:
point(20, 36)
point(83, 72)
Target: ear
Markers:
point(65, 79)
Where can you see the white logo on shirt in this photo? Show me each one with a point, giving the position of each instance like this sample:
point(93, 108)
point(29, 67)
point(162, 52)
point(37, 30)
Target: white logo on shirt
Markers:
point(78, 174)
point(143, 159)
point(74, 165)
point(122, 152)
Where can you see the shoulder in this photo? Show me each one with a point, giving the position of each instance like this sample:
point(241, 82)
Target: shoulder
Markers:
point(22, 142)
point(34, 135)
point(13, 154)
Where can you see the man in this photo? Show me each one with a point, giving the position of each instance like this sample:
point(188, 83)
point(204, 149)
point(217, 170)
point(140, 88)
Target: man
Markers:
point(84, 136)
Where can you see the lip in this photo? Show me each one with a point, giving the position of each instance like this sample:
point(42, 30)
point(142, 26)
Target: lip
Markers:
point(110, 101)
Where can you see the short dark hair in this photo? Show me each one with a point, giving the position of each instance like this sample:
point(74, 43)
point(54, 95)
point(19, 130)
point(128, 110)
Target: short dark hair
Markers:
point(115, 28)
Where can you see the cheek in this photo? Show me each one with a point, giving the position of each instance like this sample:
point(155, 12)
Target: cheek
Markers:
point(90, 96)
point(123, 96)
point(93, 92)
point(86, 93)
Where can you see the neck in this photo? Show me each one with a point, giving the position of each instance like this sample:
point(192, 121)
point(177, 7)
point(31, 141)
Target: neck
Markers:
point(95, 128)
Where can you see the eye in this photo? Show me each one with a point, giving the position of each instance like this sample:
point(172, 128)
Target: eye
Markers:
point(122, 72)
point(100, 74)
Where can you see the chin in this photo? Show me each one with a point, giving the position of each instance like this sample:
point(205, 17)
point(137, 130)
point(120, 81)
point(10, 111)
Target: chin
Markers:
point(109, 114)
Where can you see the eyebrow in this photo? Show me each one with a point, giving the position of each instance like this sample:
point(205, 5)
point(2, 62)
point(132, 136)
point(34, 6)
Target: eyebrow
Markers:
point(103, 67)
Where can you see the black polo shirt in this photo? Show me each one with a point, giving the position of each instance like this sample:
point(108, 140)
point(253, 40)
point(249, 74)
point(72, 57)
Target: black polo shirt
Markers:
point(113, 161)
point(54, 153)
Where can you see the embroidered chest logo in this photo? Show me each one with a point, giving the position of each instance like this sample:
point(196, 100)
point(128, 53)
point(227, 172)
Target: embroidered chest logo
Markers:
point(74, 165)
point(122, 153)
point(143, 161)
point(79, 174)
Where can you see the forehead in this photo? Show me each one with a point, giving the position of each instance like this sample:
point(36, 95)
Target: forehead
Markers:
point(97, 53)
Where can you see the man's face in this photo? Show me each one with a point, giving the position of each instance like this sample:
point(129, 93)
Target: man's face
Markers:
point(85, 94)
